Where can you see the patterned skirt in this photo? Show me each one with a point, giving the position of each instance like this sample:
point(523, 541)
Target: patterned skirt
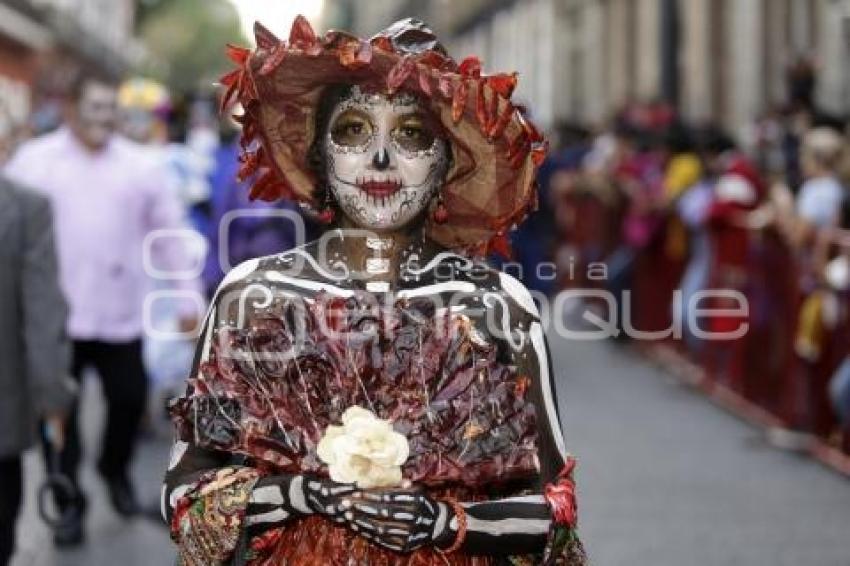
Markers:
point(314, 541)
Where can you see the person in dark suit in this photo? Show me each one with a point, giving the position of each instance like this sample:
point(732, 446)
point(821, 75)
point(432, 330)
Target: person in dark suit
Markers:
point(34, 352)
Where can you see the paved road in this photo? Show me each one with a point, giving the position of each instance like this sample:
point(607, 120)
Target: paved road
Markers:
point(665, 479)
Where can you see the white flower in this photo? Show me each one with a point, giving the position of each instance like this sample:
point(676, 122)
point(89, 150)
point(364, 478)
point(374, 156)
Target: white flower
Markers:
point(365, 450)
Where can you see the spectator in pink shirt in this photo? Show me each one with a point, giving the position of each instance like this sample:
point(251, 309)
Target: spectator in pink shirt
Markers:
point(107, 196)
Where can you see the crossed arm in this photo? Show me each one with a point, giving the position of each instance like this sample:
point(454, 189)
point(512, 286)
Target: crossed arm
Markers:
point(401, 520)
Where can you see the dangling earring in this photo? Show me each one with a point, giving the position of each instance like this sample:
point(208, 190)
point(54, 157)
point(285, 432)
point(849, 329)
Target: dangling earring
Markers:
point(441, 213)
point(326, 216)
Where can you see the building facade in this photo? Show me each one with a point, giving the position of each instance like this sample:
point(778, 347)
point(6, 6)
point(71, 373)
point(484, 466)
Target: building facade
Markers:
point(22, 38)
point(44, 42)
point(580, 60)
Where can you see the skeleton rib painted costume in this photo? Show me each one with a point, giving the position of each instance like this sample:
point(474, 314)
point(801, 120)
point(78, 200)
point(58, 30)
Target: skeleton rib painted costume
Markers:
point(383, 317)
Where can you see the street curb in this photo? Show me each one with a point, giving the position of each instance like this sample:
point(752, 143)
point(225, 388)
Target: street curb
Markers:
point(687, 372)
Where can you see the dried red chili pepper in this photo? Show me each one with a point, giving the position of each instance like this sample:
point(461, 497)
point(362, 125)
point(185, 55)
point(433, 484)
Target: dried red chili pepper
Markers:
point(264, 37)
point(459, 100)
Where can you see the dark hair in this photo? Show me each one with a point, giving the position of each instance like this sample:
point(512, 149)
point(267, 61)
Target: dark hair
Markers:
point(178, 120)
point(712, 140)
point(316, 154)
point(81, 79)
point(679, 138)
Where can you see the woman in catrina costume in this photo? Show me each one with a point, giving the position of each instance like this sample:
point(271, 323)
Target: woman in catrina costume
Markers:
point(376, 397)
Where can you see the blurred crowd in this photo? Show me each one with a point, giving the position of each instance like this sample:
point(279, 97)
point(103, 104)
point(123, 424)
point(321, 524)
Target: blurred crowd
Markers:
point(129, 211)
point(677, 219)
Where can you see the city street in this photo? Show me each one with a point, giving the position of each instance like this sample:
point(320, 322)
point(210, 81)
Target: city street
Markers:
point(680, 168)
point(665, 479)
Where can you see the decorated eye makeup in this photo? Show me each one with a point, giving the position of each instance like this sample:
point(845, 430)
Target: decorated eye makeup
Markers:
point(412, 133)
point(366, 127)
point(351, 128)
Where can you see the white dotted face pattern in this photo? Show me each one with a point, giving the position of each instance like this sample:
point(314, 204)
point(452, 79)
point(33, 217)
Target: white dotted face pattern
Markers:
point(385, 159)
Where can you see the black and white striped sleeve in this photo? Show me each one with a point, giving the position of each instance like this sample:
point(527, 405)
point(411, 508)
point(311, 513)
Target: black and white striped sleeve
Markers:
point(274, 499)
point(512, 526)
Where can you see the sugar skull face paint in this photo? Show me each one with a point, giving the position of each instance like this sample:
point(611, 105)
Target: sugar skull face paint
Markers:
point(385, 159)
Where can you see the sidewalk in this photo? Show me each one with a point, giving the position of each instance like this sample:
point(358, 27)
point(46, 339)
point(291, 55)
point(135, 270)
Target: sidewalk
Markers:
point(111, 540)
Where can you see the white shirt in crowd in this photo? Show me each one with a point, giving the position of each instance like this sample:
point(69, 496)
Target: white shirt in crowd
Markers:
point(104, 206)
point(819, 201)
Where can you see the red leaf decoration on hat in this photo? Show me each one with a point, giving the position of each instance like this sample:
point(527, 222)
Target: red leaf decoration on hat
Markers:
point(481, 108)
point(250, 163)
point(276, 57)
point(399, 73)
point(303, 37)
point(249, 132)
point(459, 100)
point(499, 244)
point(228, 97)
point(237, 54)
point(517, 144)
point(383, 43)
point(247, 89)
point(444, 85)
point(498, 127)
point(270, 188)
point(355, 54)
point(503, 83)
point(434, 60)
point(301, 34)
point(230, 78)
point(265, 39)
point(538, 153)
point(530, 130)
point(259, 190)
point(470, 67)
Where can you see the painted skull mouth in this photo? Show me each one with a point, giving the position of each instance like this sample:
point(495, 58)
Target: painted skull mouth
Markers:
point(379, 189)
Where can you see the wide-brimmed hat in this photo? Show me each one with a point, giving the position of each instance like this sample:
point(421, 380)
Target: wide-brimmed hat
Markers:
point(490, 186)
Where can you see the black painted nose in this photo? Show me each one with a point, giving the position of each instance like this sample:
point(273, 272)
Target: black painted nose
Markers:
point(381, 160)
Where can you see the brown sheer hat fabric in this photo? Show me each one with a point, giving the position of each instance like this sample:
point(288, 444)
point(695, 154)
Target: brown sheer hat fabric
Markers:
point(496, 150)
